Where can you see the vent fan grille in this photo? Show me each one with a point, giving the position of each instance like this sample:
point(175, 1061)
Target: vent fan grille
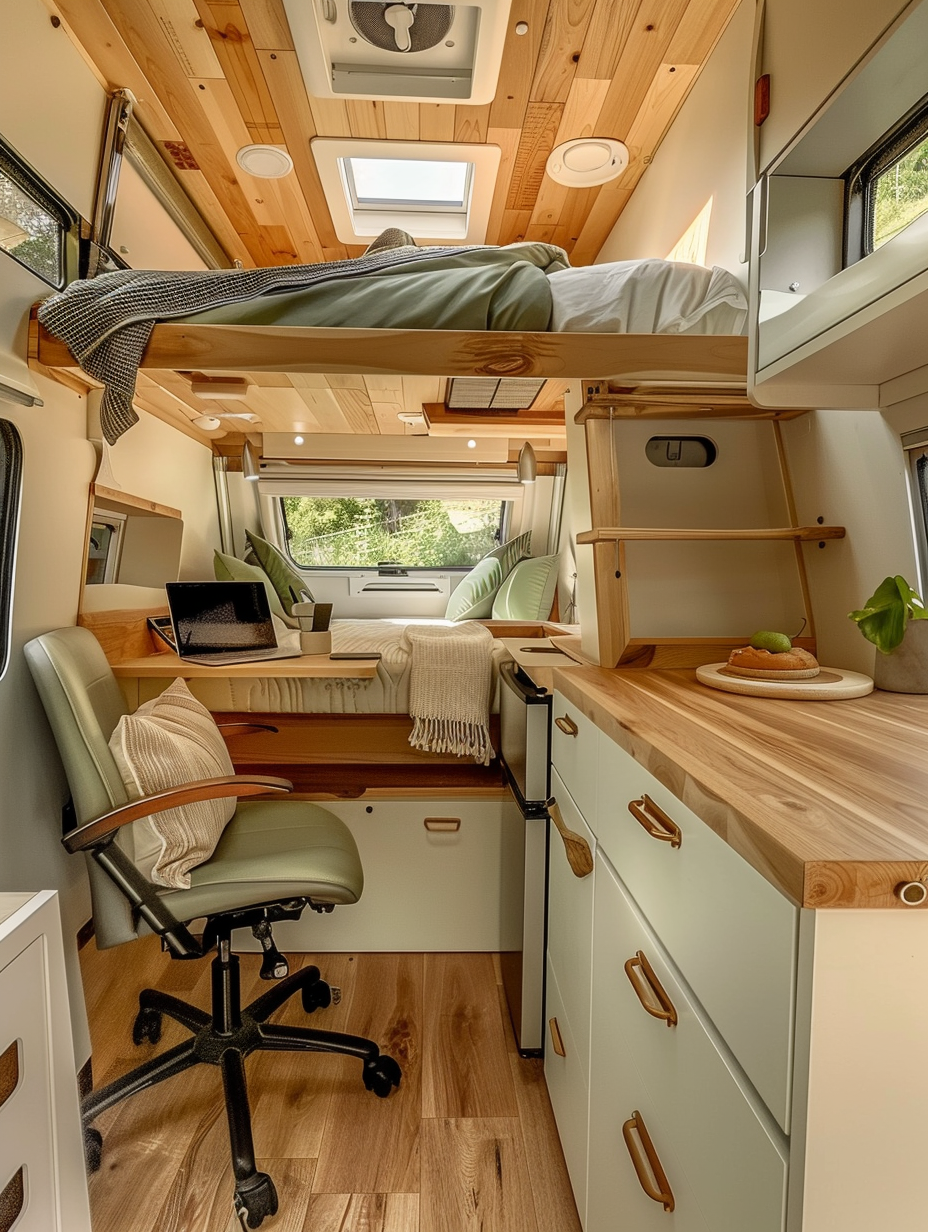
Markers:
point(489, 393)
point(431, 22)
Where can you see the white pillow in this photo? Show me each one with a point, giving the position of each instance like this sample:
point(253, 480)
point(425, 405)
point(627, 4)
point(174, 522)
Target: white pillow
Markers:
point(167, 742)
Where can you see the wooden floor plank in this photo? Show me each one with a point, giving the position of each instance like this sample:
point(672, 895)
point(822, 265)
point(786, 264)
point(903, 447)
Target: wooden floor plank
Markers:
point(474, 1176)
point(397, 1212)
point(465, 1066)
point(371, 1145)
point(293, 1179)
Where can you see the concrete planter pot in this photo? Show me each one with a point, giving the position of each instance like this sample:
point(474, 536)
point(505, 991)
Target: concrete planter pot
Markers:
point(905, 669)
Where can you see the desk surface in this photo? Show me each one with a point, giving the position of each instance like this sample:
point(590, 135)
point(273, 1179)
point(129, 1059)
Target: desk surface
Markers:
point(168, 665)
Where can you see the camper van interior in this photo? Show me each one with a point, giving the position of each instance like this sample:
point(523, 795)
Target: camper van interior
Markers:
point(440, 449)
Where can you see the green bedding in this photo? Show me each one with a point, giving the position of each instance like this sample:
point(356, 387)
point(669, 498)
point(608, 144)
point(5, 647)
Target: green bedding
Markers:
point(477, 289)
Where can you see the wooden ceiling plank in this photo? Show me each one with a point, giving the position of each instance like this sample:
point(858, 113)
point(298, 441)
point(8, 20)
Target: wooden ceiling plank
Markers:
point(164, 406)
point(551, 396)
point(471, 123)
point(401, 121)
point(149, 45)
point(356, 407)
point(288, 194)
point(699, 30)
point(387, 415)
point(535, 144)
point(513, 226)
point(418, 390)
point(436, 122)
point(325, 409)
point(520, 55)
point(281, 410)
point(226, 26)
point(347, 380)
point(670, 86)
point(508, 141)
point(190, 41)
point(384, 388)
point(579, 119)
point(644, 52)
point(561, 45)
point(330, 115)
point(606, 36)
point(267, 25)
point(366, 118)
point(285, 81)
point(576, 211)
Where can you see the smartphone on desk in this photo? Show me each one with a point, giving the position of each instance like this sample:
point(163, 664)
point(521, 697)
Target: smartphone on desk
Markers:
point(355, 654)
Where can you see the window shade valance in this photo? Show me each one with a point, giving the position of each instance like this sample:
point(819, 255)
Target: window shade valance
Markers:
point(378, 484)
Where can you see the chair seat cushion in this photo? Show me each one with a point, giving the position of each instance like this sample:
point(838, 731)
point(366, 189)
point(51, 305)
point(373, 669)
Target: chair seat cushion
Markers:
point(270, 851)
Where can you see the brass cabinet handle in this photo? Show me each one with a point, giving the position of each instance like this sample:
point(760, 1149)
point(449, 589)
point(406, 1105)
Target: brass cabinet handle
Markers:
point(567, 725)
point(649, 991)
point(646, 1163)
point(442, 825)
point(557, 1042)
point(655, 821)
point(576, 848)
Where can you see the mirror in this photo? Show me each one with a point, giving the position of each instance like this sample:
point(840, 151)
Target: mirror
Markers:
point(130, 540)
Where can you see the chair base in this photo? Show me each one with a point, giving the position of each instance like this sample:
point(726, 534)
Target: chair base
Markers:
point(224, 1038)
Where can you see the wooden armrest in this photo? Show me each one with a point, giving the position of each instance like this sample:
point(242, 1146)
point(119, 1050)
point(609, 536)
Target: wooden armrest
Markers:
point(268, 727)
point(92, 834)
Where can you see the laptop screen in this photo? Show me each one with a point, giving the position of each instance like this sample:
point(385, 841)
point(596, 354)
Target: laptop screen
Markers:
point(220, 617)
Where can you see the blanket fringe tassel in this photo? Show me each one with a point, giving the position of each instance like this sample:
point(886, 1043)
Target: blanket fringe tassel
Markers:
point(452, 736)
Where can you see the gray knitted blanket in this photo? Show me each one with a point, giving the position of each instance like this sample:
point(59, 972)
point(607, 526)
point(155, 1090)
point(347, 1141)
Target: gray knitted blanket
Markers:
point(106, 322)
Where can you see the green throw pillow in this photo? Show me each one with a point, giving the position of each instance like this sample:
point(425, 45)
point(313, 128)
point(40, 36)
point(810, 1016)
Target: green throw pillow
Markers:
point(472, 598)
point(528, 591)
point(231, 569)
point(509, 554)
point(289, 584)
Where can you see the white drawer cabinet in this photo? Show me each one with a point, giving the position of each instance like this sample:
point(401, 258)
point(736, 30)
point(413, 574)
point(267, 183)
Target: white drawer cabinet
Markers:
point(724, 1157)
point(42, 1182)
point(732, 934)
point(567, 1079)
point(575, 754)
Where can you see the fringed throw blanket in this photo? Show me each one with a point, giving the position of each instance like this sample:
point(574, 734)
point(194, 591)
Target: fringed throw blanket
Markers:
point(449, 689)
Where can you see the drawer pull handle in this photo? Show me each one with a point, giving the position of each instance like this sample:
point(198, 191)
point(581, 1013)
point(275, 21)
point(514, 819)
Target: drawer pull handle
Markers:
point(649, 991)
point(655, 821)
point(442, 825)
point(567, 725)
point(557, 1042)
point(576, 848)
point(646, 1163)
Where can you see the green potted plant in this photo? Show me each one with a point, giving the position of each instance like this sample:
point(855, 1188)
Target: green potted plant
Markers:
point(892, 619)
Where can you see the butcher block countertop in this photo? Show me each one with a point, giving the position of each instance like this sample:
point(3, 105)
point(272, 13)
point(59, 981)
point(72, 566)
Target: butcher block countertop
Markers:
point(828, 800)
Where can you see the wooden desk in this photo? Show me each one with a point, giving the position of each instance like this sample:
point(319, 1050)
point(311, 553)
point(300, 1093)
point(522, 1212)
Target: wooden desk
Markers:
point(168, 666)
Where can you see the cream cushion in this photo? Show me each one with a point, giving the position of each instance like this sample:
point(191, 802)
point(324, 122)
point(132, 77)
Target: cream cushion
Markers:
point(169, 741)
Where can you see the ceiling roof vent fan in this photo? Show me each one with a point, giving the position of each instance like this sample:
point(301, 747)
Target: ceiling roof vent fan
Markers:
point(410, 52)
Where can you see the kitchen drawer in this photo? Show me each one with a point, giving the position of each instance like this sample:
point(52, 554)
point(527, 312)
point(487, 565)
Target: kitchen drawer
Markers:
point(729, 931)
point(566, 1077)
point(574, 753)
point(570, 920)
point(723, 1142)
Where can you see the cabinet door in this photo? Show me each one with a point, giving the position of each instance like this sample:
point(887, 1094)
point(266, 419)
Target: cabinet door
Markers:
point(567, 1080)
point(574, 754)
point(725, 1145)
point(808, 49)
point(730, 932)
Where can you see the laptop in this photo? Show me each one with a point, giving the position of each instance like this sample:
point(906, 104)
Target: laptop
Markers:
point(219, 623)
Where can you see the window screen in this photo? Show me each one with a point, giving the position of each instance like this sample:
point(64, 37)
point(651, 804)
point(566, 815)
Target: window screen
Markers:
point(888, 188)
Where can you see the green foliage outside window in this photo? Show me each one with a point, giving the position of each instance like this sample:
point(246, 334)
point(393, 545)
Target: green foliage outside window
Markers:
point(350, 532)
point(901, 194)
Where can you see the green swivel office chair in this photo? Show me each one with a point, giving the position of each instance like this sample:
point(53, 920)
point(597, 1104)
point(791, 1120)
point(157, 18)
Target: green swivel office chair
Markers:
point(274, 859)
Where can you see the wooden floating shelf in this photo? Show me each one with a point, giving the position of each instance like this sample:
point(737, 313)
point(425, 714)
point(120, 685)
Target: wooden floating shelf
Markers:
point(617, 534)
point(662, 401)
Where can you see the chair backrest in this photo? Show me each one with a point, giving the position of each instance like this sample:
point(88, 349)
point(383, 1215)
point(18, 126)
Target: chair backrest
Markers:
point(83, 702)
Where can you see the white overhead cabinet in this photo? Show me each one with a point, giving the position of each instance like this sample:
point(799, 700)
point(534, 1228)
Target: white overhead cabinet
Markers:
point(830, 328)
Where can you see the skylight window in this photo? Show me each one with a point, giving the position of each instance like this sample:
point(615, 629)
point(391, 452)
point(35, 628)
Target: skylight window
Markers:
point(408, 184)
point(439, 193)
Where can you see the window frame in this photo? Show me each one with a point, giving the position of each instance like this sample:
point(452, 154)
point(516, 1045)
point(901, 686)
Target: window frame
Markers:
point(403, 207)
point(382, 567)
point(15, 167)
point(11, 487)
point(861, 178)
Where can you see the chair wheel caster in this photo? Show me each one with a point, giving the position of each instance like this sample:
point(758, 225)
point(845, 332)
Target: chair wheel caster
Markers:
point(93, 1148)
point(381, 1075)
point(147, 1026)
point(254, 1204)
point(316, 996)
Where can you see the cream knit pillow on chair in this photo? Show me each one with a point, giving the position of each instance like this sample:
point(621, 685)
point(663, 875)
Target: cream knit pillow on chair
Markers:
point(169, 741)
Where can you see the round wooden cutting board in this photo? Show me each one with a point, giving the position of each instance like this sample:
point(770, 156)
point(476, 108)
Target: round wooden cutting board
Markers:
point(831, 684)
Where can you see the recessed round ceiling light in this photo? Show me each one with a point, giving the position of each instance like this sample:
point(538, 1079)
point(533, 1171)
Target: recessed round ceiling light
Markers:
point(587, 161)
point(472, 444)
point(268, 162)
point(298, 440)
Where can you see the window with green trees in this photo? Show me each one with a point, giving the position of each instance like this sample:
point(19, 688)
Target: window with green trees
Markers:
point(900, 194)
point(362, 532)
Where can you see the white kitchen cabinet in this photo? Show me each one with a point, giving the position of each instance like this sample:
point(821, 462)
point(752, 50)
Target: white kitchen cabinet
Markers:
point(42, 1181)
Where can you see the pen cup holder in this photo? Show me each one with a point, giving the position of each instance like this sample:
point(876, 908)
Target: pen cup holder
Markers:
point(316, 643)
